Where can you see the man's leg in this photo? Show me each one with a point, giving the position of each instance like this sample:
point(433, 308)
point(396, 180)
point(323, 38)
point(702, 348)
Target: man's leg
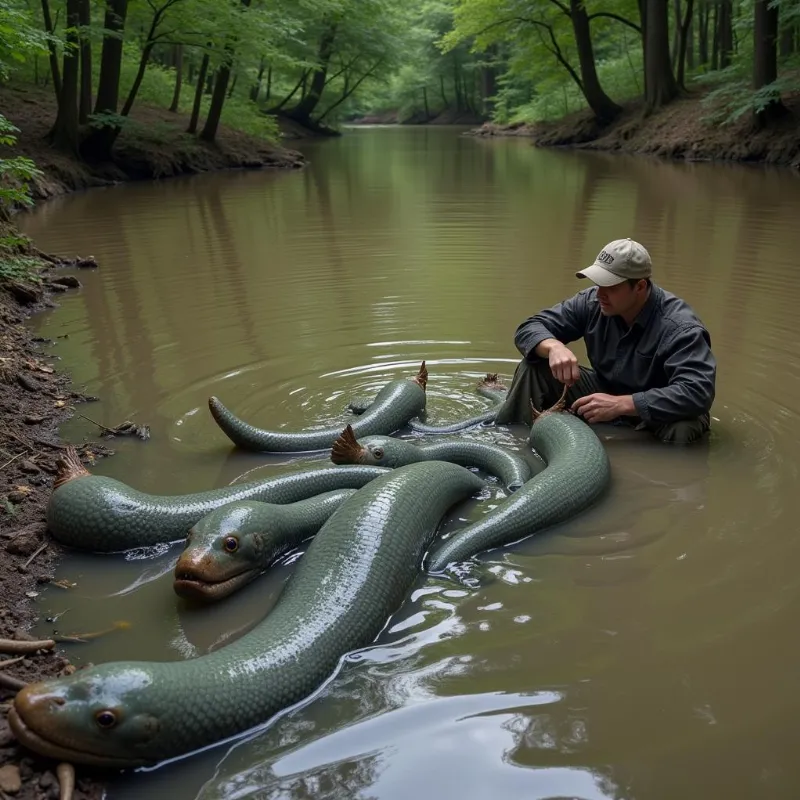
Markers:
point(684, 431)
point(535, 382)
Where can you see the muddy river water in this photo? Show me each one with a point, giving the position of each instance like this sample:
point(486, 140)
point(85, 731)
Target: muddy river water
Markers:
point(647, 650)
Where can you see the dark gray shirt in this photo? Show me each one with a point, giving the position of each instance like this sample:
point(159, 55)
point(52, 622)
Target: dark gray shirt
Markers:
point(663, 360)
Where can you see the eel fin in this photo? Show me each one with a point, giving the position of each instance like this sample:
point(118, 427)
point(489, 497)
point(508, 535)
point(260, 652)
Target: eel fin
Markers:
point(69, 467)
point(422, 376)
point(346, 449)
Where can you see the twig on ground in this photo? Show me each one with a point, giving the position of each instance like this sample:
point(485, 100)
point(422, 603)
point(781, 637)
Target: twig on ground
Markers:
point(12, 460)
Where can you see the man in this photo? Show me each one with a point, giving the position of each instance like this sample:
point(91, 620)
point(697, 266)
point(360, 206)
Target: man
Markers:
point(651, 356)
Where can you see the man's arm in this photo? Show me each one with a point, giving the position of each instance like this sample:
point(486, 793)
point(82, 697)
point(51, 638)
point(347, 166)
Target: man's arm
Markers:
point(691, 371)
point(562, 323)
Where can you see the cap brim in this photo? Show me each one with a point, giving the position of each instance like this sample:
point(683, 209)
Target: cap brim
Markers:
point(600, 276)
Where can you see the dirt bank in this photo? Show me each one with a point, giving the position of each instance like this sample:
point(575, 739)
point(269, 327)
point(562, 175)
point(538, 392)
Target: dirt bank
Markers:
point(35, 398)
point(678, 131)
point(156, 146)
point(393, 117)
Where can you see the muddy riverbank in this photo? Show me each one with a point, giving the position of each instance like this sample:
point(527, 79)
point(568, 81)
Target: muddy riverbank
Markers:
point(682, 130)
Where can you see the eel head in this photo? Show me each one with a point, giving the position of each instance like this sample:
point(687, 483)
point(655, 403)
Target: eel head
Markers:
point(224, 551)
point(91, 717)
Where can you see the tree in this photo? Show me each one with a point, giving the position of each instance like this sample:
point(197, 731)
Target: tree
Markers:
point(659, 82)
point(765, 62)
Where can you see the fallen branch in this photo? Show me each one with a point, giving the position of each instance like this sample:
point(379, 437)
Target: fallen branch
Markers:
point(127, 428)
point(9, 661)
point(18, 646)
point(10, 682)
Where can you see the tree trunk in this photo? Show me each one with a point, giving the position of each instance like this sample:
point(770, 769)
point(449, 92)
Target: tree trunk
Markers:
point(255, 89)
point(702, 34)
point(683, 39)
point(137, 81)
point(64, 135)
point(604, 108)
point(48, 26)
point(198, 94)
point(659, 82)
point(209, 132)
point(690, 43)
point(787, 41)
point(233, 86)
point(305, 108)
point(676, 34)
point(111, 58)
point(725, 32)
point(268, 93)
point(715, 41)
point(100, 140)
point(456, 86)
point(765, 59)
point(210, 82)
point(425, 103)
point(85, 103)
point(178, 61)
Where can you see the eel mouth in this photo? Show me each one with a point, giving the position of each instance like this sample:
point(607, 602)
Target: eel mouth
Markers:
point(34, 741)
point(346, 449)
point(192, 585)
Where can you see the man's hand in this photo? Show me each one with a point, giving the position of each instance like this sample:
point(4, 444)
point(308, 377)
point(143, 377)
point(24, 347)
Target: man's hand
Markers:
point(599, 407)
point(563, 364)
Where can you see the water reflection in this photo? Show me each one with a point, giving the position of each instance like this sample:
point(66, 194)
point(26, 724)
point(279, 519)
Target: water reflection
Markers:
point(627, 654)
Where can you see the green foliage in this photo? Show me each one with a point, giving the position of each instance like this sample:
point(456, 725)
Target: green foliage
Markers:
point(20, 38)
point(16, 267)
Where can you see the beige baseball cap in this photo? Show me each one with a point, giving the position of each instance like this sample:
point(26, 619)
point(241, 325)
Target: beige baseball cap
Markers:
point(618, 261)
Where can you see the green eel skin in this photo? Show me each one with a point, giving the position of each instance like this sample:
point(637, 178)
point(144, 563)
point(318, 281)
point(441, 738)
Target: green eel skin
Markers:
point(386, 451)
point(577, 474)
point(93, 512)
point(393, 406)
point(235, 543)
point(355, 574)
point(490, 387)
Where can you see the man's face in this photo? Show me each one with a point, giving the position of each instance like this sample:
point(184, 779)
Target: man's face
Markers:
point(621, 299)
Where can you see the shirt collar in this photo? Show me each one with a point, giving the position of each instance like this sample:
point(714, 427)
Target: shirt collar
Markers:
point(646, 313)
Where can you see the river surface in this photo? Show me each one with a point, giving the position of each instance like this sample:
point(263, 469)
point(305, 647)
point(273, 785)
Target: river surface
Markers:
point(647, 650)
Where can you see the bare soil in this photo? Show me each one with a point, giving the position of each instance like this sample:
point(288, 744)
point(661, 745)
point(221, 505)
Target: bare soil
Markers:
point(678, 131)
point(35, 398)
point(156, 146)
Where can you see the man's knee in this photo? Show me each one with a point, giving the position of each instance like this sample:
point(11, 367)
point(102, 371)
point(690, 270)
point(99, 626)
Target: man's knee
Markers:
point(683, 431)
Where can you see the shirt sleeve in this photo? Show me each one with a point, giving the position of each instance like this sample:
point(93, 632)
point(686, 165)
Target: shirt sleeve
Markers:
point(691, 373)
point(565, 321)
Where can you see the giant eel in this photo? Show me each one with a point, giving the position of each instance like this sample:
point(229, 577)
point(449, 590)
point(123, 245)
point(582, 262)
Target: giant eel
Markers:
point(387, 451)
point(394, 405)
point(94, 512)
point(354, 575)
point(576, 474)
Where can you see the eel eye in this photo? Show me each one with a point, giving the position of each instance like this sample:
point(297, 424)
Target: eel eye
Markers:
point(231, 544)
point(105, 719)
point(378, 452)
